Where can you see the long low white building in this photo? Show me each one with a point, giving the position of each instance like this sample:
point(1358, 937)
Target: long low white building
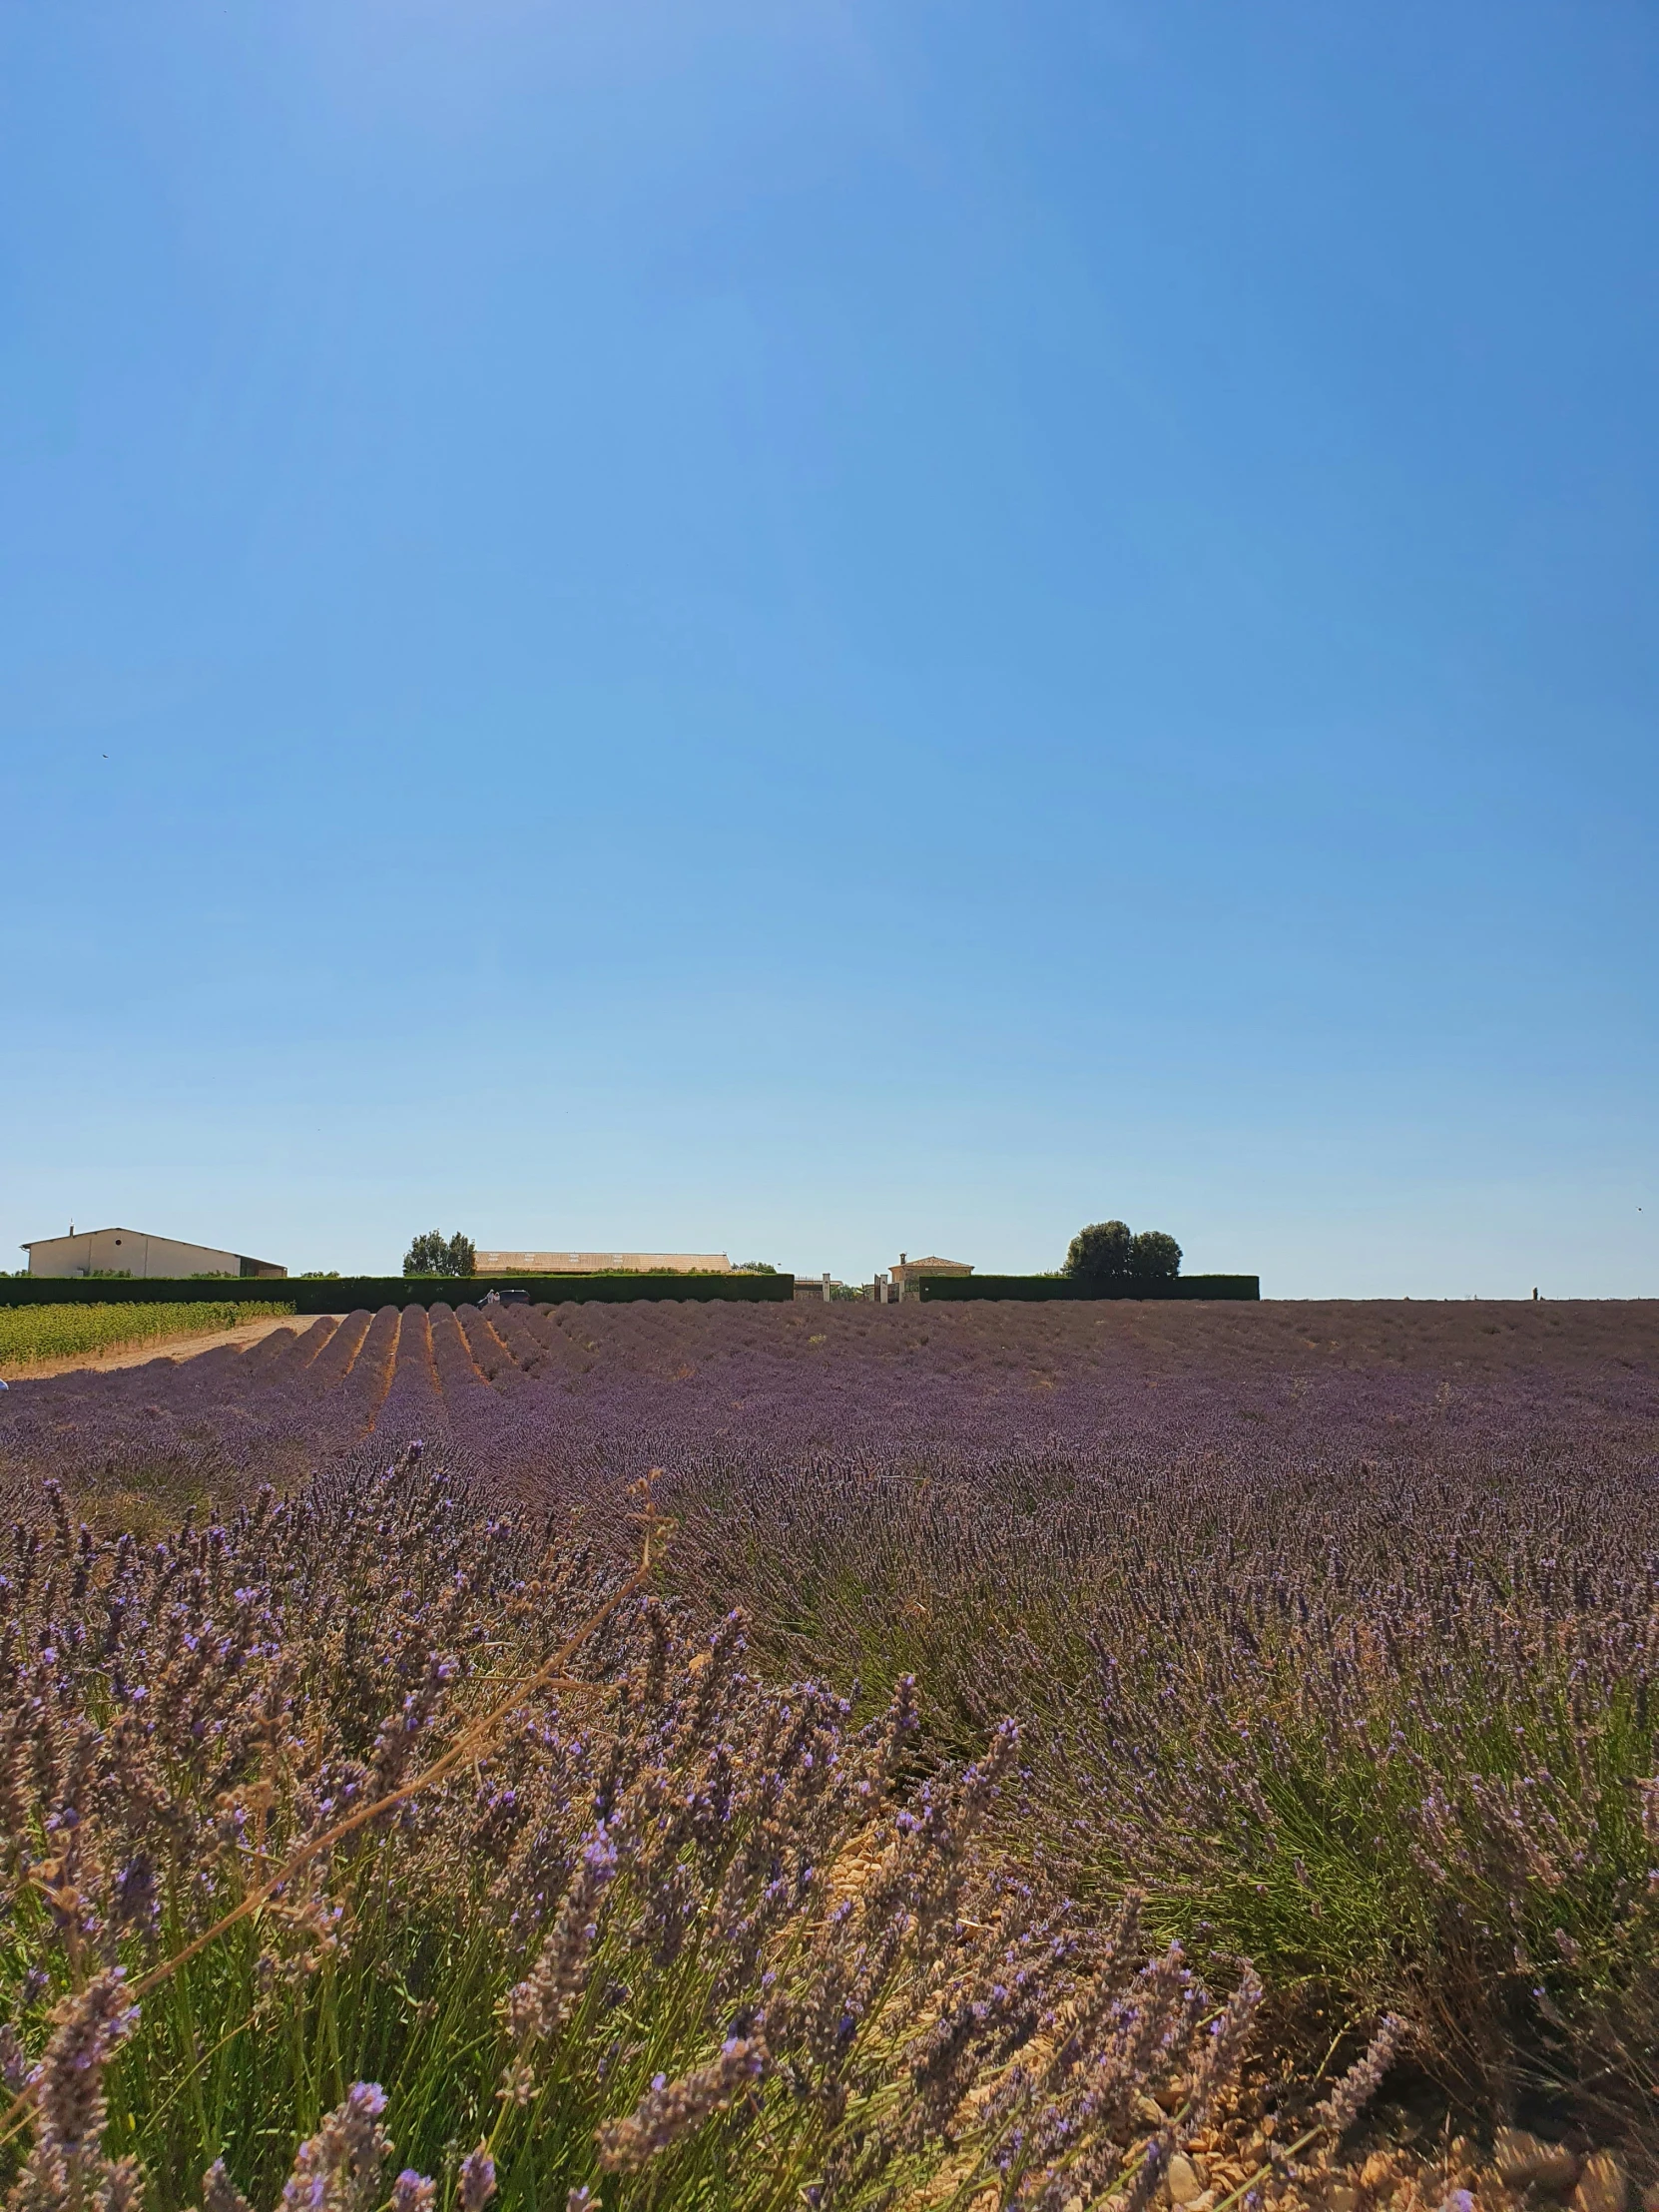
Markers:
point(603, 1263)
point(133, 1251)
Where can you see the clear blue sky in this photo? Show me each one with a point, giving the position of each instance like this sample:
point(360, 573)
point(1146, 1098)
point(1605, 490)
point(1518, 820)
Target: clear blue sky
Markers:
point(814, 627)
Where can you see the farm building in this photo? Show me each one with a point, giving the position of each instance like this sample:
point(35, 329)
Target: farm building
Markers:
point(603, 1263)
point(131, 1251)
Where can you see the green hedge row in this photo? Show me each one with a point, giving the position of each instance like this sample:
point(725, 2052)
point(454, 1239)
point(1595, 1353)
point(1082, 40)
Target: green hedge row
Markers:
point(1066, 1285)
point(344, 1293)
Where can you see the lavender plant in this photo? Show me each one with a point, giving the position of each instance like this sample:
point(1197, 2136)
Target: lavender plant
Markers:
point(373, 1812)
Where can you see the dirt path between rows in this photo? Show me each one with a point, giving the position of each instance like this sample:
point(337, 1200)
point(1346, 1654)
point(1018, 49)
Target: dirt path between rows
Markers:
point(183, 1346)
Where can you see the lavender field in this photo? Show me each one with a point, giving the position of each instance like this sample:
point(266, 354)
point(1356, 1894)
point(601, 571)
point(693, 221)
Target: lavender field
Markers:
point(1047, 1746)
point(535, 1399)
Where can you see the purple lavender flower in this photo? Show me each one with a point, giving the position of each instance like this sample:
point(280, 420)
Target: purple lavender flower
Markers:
point(338, 2168)
point(672, 2110)
point(476, 2184)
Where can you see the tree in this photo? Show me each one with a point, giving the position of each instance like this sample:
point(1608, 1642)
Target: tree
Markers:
point(1105, 1252)
point(1154, 1258)
point(1100, 1253)
point(437, 1254)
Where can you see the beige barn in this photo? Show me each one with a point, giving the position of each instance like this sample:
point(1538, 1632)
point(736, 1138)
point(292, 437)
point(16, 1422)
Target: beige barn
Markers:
point(603, 1263)
point(133, 1251)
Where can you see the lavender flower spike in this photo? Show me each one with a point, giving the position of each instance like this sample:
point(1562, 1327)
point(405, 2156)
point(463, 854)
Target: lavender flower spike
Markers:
point(219, 2193)
point(67, 2164)
point(338, 2168)
point(1362, 2079)
point(478, 2179)
point(672, 2109)
point(540, 2005)
point(71, 2092)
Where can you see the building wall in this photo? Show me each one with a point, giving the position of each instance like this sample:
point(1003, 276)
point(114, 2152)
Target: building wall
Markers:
point(908, 1275)
point(130, 1251)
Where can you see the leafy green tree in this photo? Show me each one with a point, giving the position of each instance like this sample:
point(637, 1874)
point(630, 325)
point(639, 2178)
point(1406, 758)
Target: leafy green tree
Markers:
point(427, 1255)
point(1105, 1252)
point(437, 1254)
point(1154, 1258)
point(1100, 1253)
